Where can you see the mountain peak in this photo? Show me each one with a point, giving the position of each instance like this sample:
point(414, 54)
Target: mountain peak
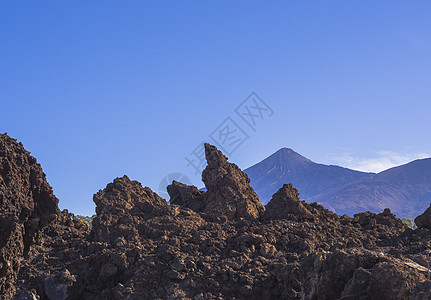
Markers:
point(288, 166)
point(288, 154)
point(283, 161)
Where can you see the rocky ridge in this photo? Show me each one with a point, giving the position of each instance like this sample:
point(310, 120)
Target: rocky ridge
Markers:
point(223, 244)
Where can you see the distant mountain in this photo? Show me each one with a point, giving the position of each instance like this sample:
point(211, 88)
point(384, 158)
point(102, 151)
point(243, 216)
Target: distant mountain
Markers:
point(310, 178)
point(405, 189)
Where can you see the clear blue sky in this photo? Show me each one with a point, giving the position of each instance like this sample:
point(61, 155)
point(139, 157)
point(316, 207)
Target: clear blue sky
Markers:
point(98, 89)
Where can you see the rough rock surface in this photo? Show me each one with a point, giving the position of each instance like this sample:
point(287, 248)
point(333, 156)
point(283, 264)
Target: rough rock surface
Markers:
point(67, 235)
point(229, 193)
point(56, 286)
point(285, 204)
point(119, 204)
point(424, 220)
point(174, 252)
point(186, 196)
point(370, 220)
point(27, 204)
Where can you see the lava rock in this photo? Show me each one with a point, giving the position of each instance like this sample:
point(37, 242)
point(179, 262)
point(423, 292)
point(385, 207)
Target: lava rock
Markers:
point(370, 220)
point(229, 192)
point(27, 204)
point(119, 204)
point(130, 196)
point(27, 296)
point(424, 220)
point(142, 248)
point(186, 196)
point(285, 204)
point(56, 286)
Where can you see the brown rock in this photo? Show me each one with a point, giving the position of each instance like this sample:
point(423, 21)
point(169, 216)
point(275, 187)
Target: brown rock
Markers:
point(141, 248)
point(358, 285)
point(389, 219)
point(130, 196)
point(27, 204)
point(118, 206)
point(329, 273)
point(421, 291)
point(186, 196)
point(56, 286)
point(285, 204)
point(424, 220)
point(369, 219)
point(228, 189)
point(393, 280)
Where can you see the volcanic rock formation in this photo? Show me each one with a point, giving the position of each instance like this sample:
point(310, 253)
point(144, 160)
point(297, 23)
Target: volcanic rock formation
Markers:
point(229, 191)
point(27, 204)
point(186, 196)
point(221, 244)
point(285, 204)
point(229, 194)
point(119, 204)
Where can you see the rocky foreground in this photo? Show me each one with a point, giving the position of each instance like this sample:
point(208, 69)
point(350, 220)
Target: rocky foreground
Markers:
point(218, 244)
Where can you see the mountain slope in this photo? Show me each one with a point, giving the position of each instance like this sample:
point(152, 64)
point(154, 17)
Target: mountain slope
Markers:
point(364, 195)
point(414, 179)
point(310, 178)
point(405, 189)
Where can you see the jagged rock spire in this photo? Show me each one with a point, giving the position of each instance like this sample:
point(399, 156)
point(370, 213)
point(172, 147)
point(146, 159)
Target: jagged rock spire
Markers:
point(228, 188)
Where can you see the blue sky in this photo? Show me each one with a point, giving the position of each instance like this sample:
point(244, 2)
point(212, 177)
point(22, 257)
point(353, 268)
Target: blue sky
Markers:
point(100, 89)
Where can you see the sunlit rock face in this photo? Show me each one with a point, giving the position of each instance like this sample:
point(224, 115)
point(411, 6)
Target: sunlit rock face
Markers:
point(285, 204)
point(27, 204)
point(120, 207)
point(229, 193)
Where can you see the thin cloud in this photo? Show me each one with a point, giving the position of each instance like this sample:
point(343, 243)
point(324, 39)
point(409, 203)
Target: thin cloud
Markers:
point(383, 160)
